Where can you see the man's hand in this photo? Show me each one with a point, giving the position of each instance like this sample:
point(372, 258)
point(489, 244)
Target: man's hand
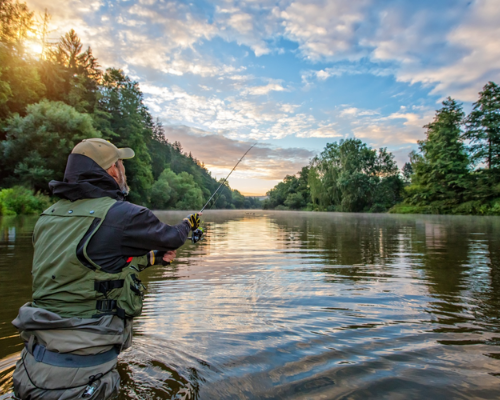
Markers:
point(194, 220)
point(169, 256)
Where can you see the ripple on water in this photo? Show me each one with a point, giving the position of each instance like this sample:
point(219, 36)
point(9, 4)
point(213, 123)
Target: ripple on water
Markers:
point(310, 305)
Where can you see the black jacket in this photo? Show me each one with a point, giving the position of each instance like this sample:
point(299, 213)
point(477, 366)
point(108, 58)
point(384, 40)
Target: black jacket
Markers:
point(128, 230)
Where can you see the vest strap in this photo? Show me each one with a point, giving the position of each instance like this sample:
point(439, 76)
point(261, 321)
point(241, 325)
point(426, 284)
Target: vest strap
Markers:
point(106, 286)
point(109, 307)
point(41, 354)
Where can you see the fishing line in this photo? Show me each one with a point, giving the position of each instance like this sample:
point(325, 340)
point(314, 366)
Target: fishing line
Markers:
point(225, 180)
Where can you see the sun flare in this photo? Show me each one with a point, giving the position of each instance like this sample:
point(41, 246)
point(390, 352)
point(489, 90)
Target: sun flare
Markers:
point(34, 47)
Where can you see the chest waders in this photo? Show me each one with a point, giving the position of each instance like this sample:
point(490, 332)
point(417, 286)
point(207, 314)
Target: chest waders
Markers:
point(65, 280)
point(67, 357)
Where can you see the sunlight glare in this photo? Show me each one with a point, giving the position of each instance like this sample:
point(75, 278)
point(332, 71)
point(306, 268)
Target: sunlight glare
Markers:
point(34, 47)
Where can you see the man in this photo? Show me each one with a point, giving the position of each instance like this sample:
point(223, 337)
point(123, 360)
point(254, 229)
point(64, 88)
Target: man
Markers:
point(88, 251)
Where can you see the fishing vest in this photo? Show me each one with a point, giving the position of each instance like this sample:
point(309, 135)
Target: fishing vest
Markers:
point(65, 280)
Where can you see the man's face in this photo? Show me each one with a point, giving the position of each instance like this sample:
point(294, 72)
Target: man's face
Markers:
point(122, 178)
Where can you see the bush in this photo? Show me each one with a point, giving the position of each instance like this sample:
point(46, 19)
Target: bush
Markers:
point(378, 208)
point(20, 200)
point(295, 201)
point(409, 209)
point(476, 207)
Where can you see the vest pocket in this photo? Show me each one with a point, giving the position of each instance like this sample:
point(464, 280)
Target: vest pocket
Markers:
point(131, 296)
point(121, 296)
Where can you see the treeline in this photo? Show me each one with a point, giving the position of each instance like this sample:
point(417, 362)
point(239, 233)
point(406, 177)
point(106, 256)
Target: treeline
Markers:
point(347, 176)
point(455, 171)
point(51, 101)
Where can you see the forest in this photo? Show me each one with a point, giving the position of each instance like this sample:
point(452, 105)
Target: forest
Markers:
point(51, 101)
point(456, 169)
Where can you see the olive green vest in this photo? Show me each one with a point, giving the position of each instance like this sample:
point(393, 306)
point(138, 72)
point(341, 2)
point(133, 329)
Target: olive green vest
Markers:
point(62, 283)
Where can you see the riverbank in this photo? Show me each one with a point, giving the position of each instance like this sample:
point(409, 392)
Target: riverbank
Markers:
point(491, 208)
point(21, 201)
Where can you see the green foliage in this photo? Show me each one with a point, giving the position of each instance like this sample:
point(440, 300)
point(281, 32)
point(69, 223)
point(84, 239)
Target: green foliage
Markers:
point(295, 201)
point(441, 172)
point(49, 104)
point(16, 22)
point(20, 200)
point(293, 192)
point(346, 176)
point(355, 177)
point(176, 191)
point(483, 127)
point(19, 78)
point(37, 145)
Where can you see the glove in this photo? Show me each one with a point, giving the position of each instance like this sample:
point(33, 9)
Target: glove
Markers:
point(194, 221)
point(155, 257)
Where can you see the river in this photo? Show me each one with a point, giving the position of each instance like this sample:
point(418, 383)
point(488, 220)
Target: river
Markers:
point(292, 305)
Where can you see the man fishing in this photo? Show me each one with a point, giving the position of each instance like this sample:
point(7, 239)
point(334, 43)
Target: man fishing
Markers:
point(88, 251)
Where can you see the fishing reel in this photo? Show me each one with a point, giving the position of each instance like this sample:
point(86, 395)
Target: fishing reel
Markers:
point(197, 234)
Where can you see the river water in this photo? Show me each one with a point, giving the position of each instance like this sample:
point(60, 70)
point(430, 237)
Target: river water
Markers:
point(290, 305)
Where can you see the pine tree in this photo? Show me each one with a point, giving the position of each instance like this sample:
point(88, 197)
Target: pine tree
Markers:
point(483, 127)
point(441, 173)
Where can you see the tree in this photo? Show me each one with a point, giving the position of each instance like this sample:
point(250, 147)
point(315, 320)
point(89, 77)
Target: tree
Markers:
point(176, 191)
point(72, 74)
point(20, 83)
point(407, 172)
point(16, 21)
point(238, 199)
point(483, 127)
point(351, 173)
point(295, 201)
point(68, 53)
point(37, 145)
point(318, 193)
point(441, 171)
point(110, 105)
point(124, 119)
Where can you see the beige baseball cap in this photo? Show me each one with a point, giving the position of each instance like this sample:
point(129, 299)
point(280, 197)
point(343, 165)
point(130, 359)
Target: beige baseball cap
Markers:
point(102, 152)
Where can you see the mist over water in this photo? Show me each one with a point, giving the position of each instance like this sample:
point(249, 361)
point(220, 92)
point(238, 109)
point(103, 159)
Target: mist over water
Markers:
point(291, 305)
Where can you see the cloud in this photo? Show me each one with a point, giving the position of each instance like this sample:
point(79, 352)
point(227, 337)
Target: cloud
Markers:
point(245, 25)
point(452, 50)
point(261, 90)
point(347, 68)
point(326, 29)
point(356, 112)
point(235, 117)
point(323, 131)
point(402, 128)
point(475, 40)
point(220, 154)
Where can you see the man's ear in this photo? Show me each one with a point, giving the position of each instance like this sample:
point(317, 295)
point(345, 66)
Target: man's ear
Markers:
point(113, 171)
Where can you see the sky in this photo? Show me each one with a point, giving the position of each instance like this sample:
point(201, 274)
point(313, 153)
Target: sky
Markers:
point(290, 75)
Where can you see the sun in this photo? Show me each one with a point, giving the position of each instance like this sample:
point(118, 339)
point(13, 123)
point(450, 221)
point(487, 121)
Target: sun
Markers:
point(34, 47)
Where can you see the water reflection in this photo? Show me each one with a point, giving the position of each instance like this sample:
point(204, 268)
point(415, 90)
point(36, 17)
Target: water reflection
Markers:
point(306, 305)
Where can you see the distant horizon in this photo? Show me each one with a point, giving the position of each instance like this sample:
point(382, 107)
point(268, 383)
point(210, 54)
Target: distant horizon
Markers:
point(292, 75)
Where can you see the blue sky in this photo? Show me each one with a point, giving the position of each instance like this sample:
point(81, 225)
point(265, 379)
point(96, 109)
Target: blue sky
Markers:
point(291, 75)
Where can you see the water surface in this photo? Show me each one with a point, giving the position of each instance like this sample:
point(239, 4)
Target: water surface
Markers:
point(290, 305)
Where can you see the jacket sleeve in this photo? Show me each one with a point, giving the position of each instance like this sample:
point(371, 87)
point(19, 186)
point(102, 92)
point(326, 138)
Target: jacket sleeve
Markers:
point(154, 257)
point(143, 231)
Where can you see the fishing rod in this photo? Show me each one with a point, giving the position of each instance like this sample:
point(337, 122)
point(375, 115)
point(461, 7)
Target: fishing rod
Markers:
point(225, 180)
point(198, 233)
